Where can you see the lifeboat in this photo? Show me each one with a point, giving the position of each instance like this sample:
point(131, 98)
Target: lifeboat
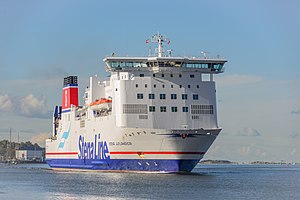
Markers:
point(102, 104)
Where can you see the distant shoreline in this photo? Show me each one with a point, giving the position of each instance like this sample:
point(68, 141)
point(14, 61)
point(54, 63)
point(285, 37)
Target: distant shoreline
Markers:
point(246, 163)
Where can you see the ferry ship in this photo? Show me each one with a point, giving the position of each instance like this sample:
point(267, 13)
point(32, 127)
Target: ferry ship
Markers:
point(153, 114)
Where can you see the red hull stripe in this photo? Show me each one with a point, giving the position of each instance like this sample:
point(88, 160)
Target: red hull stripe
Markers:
point(132, 152)
point(62, 153)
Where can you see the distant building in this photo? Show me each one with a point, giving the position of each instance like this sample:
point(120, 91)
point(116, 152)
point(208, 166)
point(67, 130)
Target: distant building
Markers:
point(2, 158)
point(29, 154)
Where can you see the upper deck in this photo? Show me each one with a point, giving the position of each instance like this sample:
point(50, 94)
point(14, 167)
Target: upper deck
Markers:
point(161, 62)
point(204, 65)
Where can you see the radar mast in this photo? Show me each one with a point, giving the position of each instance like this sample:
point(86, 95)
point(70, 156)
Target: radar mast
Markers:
point(159, 39)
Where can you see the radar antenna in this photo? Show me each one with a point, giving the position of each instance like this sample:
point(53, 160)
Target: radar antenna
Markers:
point(204, 54)
point(159, 39)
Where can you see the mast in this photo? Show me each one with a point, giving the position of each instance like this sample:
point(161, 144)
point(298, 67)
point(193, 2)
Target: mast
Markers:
point(159, 39)
point(160, 45)
point(9, 146)
point(10, 143)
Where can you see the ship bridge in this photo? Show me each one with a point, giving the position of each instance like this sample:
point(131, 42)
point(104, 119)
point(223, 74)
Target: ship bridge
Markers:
point(203, 65)
point(165, 63)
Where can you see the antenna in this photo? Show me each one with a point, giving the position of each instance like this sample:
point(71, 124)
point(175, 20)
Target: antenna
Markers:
point(9, 155)
point(149, 51)
point(159, 39)
point(169, 52)
point(204, 53)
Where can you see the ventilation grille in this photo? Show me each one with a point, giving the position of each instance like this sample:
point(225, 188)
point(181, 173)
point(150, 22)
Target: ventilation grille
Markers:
point(135, 109)
point(82, 123)
point(143, 116)
point(202, 109)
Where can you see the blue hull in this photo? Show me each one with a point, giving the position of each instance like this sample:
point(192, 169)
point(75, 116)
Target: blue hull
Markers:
point(171, 166)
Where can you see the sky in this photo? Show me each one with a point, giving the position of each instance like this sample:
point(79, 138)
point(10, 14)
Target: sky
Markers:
point(258, 95)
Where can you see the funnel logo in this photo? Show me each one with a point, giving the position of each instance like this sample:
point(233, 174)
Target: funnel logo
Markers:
point(63, 139)
point(66, 98)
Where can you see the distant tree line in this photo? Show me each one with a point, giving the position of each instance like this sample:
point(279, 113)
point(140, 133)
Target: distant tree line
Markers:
point(8, 150)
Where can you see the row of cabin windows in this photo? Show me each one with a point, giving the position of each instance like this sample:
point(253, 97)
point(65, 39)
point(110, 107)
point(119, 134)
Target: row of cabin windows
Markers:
point(171, 75)
point(164, 109)
point(163, 96)
point(163, 86)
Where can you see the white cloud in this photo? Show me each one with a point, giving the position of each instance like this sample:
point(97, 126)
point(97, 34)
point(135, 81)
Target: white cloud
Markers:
point(5, 103)
point(40, 139)
point(244, 150)
point(261, 153)
point(31, 106)
point(252, 152)
point(248, 132)
point(293, 152)
point(237, 79)
point(28, 106)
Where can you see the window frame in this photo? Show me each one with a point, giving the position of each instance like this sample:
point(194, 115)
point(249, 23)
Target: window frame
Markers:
point(140, 96)
point(162, 96)
point(195, 97)
point(174, 109)
point(151, 96)
point(185, 109)
point(151, 108)
point(173, 96)
point(163, 109)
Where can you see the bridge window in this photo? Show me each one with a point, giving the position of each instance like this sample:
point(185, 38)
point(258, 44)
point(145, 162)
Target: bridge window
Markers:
point(169, 64)
point(212, 66)
point(121, 64)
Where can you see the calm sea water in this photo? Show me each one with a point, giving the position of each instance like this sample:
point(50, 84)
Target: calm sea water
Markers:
point(206, 182)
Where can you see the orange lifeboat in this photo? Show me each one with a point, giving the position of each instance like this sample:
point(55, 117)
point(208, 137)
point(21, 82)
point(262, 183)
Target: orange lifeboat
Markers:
point(102, 104)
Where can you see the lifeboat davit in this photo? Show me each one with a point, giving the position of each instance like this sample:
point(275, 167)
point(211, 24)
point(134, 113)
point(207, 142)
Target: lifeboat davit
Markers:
point(102, 104)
